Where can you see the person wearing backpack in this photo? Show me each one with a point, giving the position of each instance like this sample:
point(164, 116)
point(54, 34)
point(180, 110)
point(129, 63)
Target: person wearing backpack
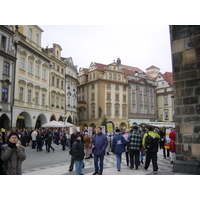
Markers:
point(118, 146)
point(150, 144)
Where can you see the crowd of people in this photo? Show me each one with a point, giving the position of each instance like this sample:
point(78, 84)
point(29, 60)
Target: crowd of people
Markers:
point(137, 143)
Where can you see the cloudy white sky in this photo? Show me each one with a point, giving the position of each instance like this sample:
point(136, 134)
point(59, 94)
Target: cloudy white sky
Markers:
point(136, 45)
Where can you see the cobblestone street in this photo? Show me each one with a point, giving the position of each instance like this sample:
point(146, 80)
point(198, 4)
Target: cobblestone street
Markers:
point(57, 163)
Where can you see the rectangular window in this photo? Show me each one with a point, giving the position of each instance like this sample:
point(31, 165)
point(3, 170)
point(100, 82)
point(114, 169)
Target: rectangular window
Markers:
point(44, 72)
point(62, 85)
point(124, 111)
point(22, 63)
point(116, 111)
point(21, 93)
point(124, 98)
point(6, 69)
point(93, 75)
point(53, 81)
point(37, 71)
point(116, 97)
point(37, 97)
point(58, 82)
point(5, 94)
point(29, 95)
point(3, 42)
point(117, 87)
point(114, 76)
point(119, 77)
point(43, 99)
point(165, 100)
point(108, 110)
point(108, 85)
point(108, 96)
point(110, 75)
point(30, 67)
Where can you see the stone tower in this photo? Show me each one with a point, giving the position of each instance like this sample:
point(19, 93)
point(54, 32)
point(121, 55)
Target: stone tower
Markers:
point(185, 43)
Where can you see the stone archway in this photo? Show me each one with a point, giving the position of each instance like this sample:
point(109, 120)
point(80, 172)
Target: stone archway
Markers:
point(4, 122)
point(69, 119)
point(24, 121)
point(122, 125)
point(52, 117)
point(40, 121)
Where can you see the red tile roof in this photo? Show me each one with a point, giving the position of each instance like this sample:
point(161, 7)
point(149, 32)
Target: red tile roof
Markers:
point(168, 76)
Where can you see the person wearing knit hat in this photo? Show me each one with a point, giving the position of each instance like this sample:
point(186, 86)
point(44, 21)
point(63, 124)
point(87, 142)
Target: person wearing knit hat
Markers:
point(12, 155)
point(118, 147)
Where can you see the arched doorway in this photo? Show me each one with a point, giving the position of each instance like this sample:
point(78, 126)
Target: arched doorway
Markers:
point(93, 125)
point(40, 120)
point(52, 118)
point(69, 119)
point(24, 121)
point(4, 122)
point(122, 125)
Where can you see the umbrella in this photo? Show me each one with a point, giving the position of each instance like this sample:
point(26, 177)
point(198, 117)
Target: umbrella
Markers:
point(66, 124)
point(53, 124)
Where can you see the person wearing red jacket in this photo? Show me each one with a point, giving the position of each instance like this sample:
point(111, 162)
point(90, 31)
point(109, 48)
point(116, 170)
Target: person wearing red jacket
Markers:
point(172, 145)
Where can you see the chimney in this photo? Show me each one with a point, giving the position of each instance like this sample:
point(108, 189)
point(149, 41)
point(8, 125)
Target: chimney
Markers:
point(118, 61)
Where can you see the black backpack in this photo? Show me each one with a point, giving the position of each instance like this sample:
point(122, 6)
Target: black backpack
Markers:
point(149, 142)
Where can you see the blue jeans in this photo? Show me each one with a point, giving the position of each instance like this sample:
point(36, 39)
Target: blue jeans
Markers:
point(98, 167)
point(118, 159)
point(78, 165)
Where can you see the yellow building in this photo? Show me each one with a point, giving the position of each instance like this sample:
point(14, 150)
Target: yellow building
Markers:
point(31, 102)
point(103, 91)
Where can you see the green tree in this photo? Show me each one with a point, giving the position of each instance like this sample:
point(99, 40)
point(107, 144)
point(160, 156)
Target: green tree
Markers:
point(104, 121)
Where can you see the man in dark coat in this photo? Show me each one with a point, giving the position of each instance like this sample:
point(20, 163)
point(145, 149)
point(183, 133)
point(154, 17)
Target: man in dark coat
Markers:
point(99, 144)
point(78, 154)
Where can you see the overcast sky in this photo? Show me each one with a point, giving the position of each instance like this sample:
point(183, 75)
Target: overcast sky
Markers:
point(137, 45)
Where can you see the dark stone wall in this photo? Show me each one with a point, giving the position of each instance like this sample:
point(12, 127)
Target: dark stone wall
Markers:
point(185, 43)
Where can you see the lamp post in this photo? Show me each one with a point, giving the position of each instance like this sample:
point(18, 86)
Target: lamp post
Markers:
point(64, 118)
point(16, 42)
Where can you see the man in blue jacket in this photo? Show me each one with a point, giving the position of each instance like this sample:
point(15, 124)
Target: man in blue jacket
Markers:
point(99, 144)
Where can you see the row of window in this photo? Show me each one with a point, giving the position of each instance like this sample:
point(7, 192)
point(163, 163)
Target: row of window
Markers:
point(108, 111)
point(30, 68)
point(59, 83)
point(30, 36)
point(30, 96)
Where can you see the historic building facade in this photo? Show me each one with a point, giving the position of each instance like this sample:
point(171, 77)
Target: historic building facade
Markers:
point(142, 98)
point(31, 96)
point(165, 97)
point(115, 91)
point(7, 66)
point(41, 82)
point(71, 96)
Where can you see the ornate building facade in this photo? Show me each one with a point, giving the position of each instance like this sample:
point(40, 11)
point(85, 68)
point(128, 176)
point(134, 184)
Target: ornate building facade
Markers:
point(165, 97)
point(114, 91)
point(39, 81)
